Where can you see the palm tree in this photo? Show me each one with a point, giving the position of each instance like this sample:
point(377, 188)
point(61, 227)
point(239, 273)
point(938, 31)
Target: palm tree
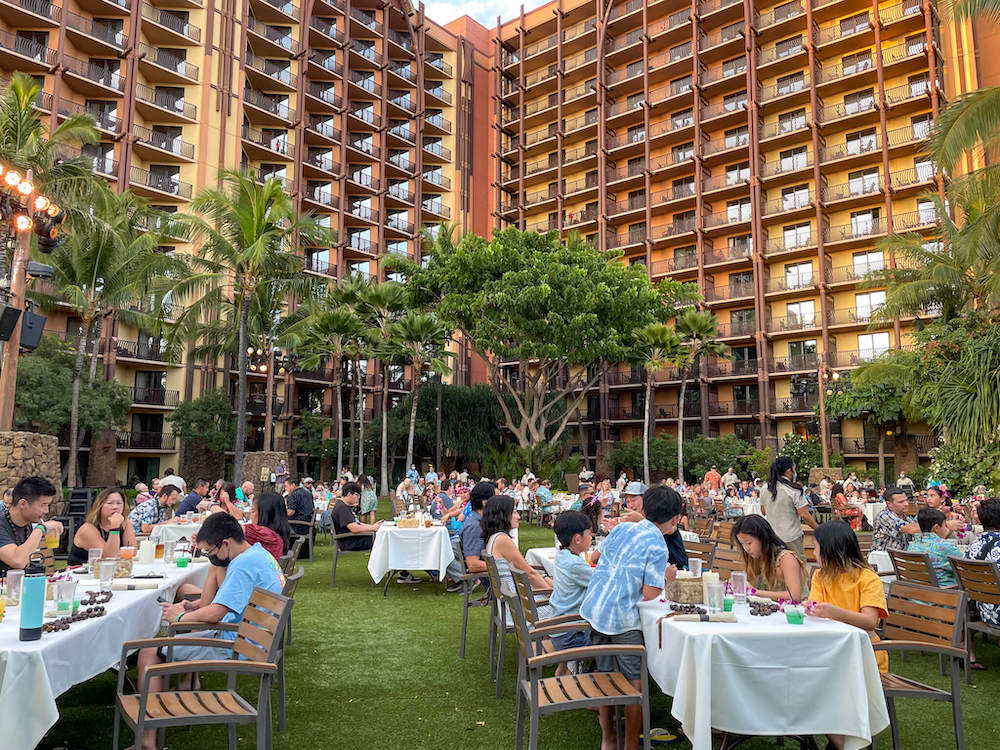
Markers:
point(697, 331)
point(382, 304)
point(961, 270)
point(108, 265)
point(658, 347)
point(25, 143)
point(328, 333)
point(250, 236)
point(351, 293)
point(421, 341)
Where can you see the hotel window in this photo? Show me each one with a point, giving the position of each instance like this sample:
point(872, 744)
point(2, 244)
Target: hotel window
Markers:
point(926, 212)
point(863, 182)
point(854, 24)
point(862, 141)
point(921, 126)
point(737, 137)
point(801, 313)
point(872, 345)
point(738, 210)
point(794, 197)
point(924, 168)
point(855, 63)
point(789, 121)
point(867, 261)
point(682, 119)
point(735, 101)
point(736, 173)
point(859, 101)
point(798, 275)
point(866, 303)
point(788, 47)
point(795, 158)
point(864, 223)
point(796, 236)
point(734, 67)
point(790, 83)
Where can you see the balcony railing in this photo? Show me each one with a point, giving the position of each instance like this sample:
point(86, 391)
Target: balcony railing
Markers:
point(169, 20)
point(150, 441)
point(325, 27)
point(326, 92)
point(96, 29)
point(276, 107)
point(794, 405)
point(152, 351)
point(101, 74)
point(165, 100)
point(279, 36)
point(279, 144)
point(154, 396)
point(732, 367)
point(739, 408)
point(164, 142)
point(793, 363)
point(28, 48)
point(440, 64)
point(163, 183)
point(168, 60)
point(438, 150)
point(438, 121)
point(319, 265)
point(279, 72)
point(39, 8)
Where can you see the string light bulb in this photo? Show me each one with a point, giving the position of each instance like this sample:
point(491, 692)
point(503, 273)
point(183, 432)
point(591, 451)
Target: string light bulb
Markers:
point(41, 203)
point(22, 223)
point(249, 350)
point(25, 188)
point(12, 178)
point(53, 210)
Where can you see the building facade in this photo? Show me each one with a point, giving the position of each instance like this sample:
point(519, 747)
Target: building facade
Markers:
point(371, 115)
point(760, 149)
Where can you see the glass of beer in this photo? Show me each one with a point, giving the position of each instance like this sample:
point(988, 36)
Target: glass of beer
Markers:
point(158, 555)
point(51, 538)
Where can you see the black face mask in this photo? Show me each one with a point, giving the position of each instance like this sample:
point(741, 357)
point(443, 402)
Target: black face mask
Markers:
point(214, 560)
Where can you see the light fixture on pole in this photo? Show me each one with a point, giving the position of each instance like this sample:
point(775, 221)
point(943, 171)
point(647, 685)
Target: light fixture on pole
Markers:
point(824, 375)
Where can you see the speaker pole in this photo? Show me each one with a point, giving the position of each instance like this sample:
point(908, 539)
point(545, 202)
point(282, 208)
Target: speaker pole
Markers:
point(8, 368)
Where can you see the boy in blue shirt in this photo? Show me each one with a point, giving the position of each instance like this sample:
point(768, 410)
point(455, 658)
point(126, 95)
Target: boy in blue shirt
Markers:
point(571, 576)
point(632, 567)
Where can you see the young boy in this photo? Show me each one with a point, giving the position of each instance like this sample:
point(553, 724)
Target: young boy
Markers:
point(632, 567)
point(571, 576)
point(933, 541)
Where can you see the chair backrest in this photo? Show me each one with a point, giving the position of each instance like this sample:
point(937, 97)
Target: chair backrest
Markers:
point(284, 561)
point(522, 630)
point(809, 542)
point(727, 560)
point(925, 613)
point(292, 582)
point(45, 557)
point(262, 628)
point(865, 542)
point(719, 505)
point(524, 592)
point(460, 557)
point(494, 576)
point(703, 527)
point(293, 552)
point(979, 579)
point(398, 504)
point(722, 532)
point(703, 551)
point(913, 567)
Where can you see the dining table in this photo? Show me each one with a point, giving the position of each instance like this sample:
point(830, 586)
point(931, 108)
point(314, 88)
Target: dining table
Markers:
point(33, 674)
point(763, 676)
point(420, 548)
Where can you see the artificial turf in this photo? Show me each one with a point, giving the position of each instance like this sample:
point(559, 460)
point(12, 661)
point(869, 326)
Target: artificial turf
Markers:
point(372, 672)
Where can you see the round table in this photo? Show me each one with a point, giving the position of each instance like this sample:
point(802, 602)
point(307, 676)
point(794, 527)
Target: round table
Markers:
point(174, 532)
point(421, 548)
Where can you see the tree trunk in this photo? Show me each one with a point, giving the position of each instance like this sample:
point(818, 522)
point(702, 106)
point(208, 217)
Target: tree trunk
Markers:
point(74, 410)
point(361, 430)
point(354, 403)
point(583, 440)
point(881, 457)
point(413, 419)
point(645, 429)
point(385, 431)
point(680, 427)
point(337, 426)
point(241, 395)
point(438, 416)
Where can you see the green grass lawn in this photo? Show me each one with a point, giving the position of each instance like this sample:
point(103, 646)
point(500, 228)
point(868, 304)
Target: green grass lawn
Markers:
point(371, 672)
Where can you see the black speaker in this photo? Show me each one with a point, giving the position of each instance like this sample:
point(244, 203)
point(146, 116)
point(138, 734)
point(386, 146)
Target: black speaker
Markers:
point(8, 319)
point(32, 326)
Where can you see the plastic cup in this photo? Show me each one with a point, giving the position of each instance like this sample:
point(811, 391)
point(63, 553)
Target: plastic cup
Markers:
point(3, 603)
point(182, 562)
point(65, 595)
point(727, 603)
point(107, 572)
point(189, 516)
point(158, 553)
point(694, 565)
point(168, 551)
point(51, 538)
point(127, 553)
point(715, 597)
point(738, 579)
point(14, 579)
point(93, 555)
point(795, 614)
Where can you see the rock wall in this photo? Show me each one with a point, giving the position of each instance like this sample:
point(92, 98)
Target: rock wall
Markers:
point(29, 454)
point(835, 473)
point(254, 463)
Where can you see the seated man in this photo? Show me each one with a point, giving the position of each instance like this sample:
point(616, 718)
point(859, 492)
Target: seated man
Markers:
point(345, 522)
point(22, 528)
point(146, 515)
point(246, 567)
point(197, 500)
point(893, 528)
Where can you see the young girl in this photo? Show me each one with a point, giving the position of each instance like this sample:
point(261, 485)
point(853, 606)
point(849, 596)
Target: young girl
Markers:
point(369, 500)
point(845, 588)
point(771, 567)
point(594, 511)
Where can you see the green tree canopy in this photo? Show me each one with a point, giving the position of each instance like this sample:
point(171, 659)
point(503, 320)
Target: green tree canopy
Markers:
point(207, 421)
point(560, 310)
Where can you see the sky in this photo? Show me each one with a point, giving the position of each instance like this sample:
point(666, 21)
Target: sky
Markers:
point(484, 11)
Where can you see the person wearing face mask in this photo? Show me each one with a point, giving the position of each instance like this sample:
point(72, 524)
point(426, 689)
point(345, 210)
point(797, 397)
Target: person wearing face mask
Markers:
point(785, 506)
point(245, 566)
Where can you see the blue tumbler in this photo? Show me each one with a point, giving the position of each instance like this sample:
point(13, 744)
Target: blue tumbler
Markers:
point(32, 606)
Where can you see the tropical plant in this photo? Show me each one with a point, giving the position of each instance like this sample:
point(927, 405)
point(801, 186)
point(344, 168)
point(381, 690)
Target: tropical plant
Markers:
point(250, 238)
point(545, 460)
point(960, 270)
point(205, 423)
point(309, 435)
point(27, 144)
point(381, 305)
point(631, 456)
point(697, 331)
point(702, 453)
point(420, 340)
point(657, 347)
point(107, 265)
point(806, 452)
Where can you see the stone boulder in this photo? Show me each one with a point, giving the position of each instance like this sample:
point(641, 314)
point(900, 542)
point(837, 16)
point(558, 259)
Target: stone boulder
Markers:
point(30, 454)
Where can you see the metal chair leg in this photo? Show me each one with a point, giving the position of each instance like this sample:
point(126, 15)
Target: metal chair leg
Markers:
point(232, 736)
point(519, 721)
point(968, 657)
point(533, 729)
point(893, 723)
point(118, 720)
point(281, 693)
point(502, 634)
point(333, 575)
point(465, 618)
point(956, 707)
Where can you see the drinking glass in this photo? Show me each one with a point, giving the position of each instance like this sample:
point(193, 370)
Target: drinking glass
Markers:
point(51, 538)
point(3, 600)
point(739, 581)
point(93, 555)
point(126, 553)
point(65, 595)
point(107, 573)
point(158, 554)
point(715, 597)
point(694, 565)
point(168, 550)
point(14, 578)
point(189, 516)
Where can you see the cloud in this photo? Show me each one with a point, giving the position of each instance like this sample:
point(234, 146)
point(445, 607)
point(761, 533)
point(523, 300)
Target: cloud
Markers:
point(484, 11)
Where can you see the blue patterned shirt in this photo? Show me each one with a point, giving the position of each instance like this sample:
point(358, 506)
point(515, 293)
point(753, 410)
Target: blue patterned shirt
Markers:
point(149, 511)
point(888, 531)
point(990, 613)
point(632, 556)
point(938, 550)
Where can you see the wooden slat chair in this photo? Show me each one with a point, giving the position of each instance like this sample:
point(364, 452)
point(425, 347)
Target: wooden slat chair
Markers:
point(289, 559)
point(468, 581)
point(980, 580)
point(865, 542)
point(398, 504)
point(913, 567)
point(338, 549)
point(930, 620)
point(726, 560)
point(530, 600)
point(722, 533)
point(703, 551)
point(544, 695)
point(291, 584)
point(259, 639)
point(498, 624)
point(306, 530)
point(809, 543)
point(703, 527)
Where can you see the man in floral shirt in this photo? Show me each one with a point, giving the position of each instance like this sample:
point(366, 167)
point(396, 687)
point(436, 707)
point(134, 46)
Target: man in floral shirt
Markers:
point(893, 528)
point(146, 515)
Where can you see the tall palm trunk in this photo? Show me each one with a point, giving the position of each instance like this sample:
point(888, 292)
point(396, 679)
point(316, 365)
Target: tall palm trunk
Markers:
point(354, 405)
point(413, 417)
point(645, 428)
point(241, 395)
point(74, 409)
point(881, 457)
point(361, 430)
point(680, 427)
point(385, 430)
point(337, 408)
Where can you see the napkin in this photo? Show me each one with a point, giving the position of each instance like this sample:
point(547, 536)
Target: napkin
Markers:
point(717, 617)
point(125, 585)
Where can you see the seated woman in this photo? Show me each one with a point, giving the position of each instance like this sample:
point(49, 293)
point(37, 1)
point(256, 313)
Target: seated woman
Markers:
point(848, 510)
point(499, 517)
point(104, 527)
point(225, 501)
point(604, 494)
point(732, 503)
point(593, 509)
point(269, 524)
point(773, 569)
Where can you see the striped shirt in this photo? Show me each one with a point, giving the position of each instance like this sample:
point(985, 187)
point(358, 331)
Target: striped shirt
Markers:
point(632, 556)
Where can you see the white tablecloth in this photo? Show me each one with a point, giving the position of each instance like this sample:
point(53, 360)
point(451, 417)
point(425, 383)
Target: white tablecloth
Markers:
point(762, 676)
point(750, 508)
point(881, 561)
point(871, 511)
point(34, 673)
point(410, 549)
point(546, 556)
point(172, 532)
